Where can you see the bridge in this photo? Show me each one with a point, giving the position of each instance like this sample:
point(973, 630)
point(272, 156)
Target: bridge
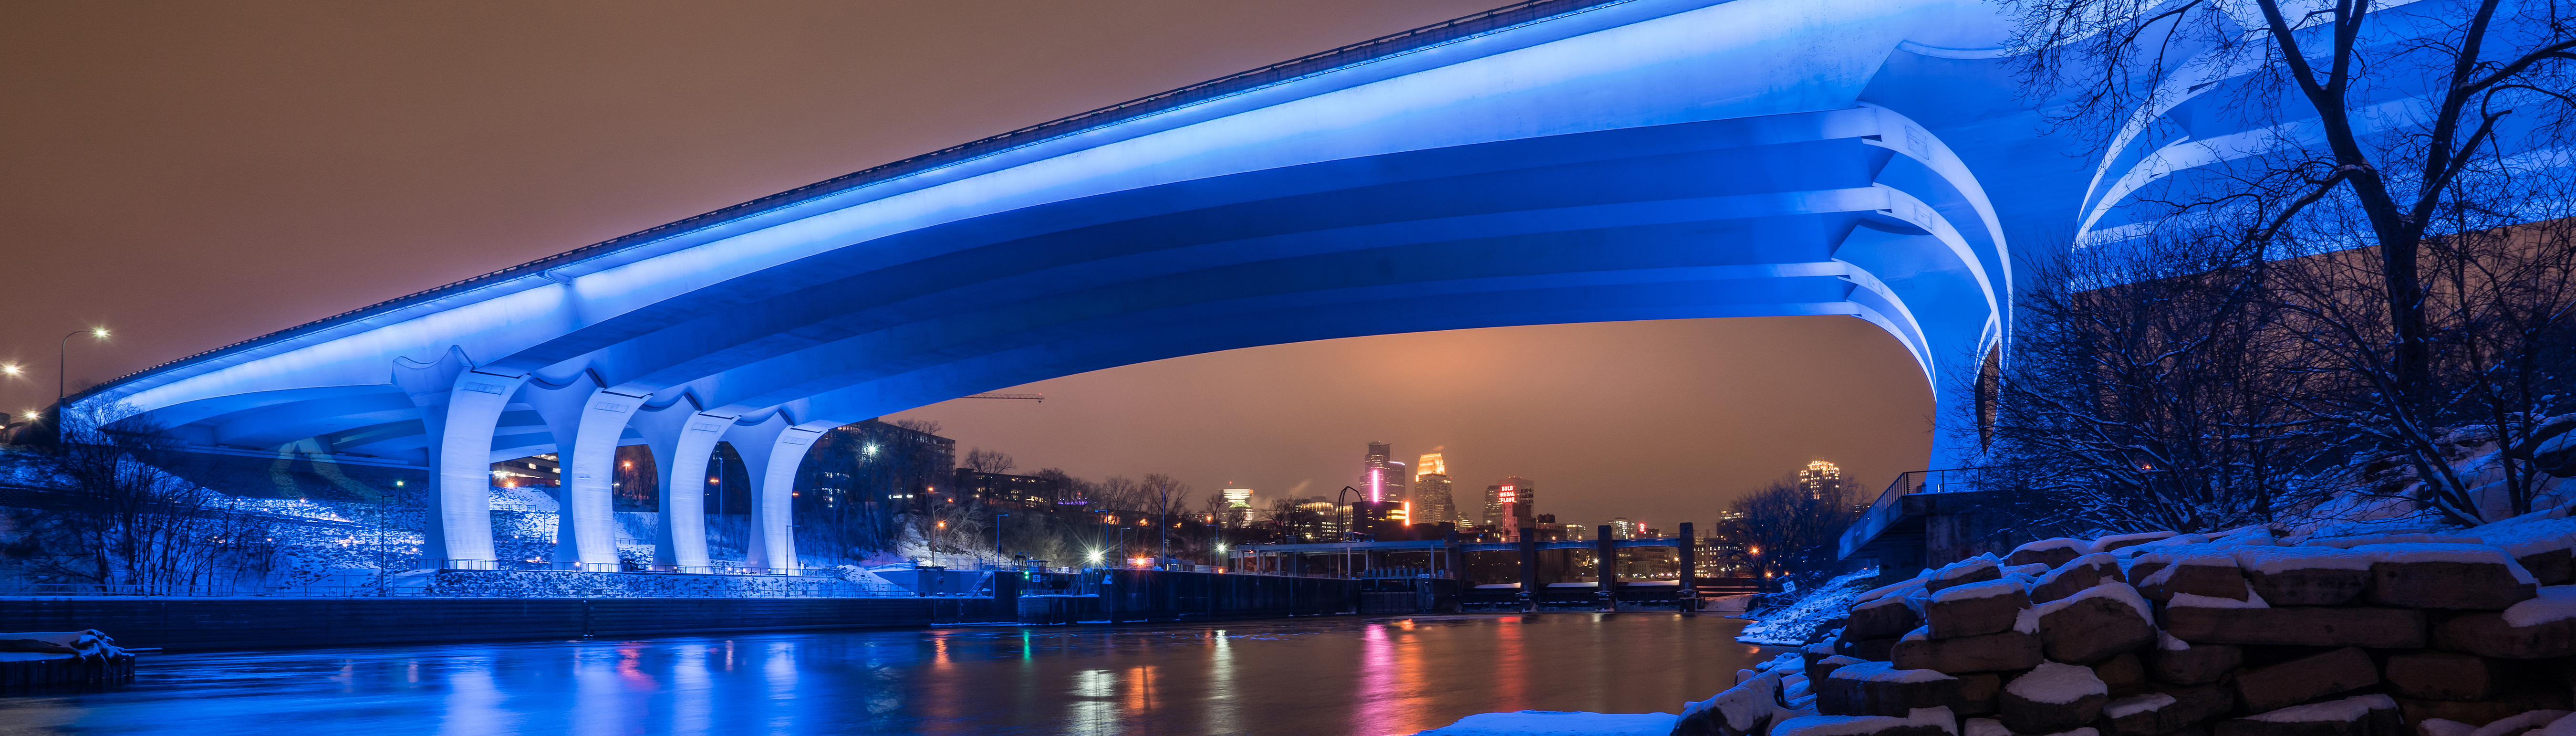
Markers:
point(1546, 162)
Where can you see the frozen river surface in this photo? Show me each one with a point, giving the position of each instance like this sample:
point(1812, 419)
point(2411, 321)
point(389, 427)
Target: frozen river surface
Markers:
point(1337, 675)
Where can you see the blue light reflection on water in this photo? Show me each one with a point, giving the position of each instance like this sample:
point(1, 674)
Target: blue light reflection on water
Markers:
point(1339, 675)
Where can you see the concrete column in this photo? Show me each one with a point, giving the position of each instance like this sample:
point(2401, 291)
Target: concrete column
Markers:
point(1688, 593)
point(682, 440)
point(1607, 559)
point(772, 450)
point(590, 505)
point(460, 518)
point(1529, 570)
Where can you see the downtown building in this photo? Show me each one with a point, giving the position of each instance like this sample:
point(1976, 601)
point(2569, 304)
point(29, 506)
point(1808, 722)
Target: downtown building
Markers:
point(1433, 502)
point(1511, 503)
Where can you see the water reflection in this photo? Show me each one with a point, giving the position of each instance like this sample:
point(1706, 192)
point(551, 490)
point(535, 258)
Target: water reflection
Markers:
point(1307, 676)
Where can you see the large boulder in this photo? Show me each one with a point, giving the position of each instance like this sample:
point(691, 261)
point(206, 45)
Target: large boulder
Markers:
point(1743, 710)
point(2166, 712)
point(1923, 722)
point(2207, 575)
point(2444, 676)
point(2178, 662)
point(2305, 679)
point(2007, 650)
point(1821, 668)
point(2426, 575)
point(2074, 577)
point(2304, 576)
point(2540, 628)
point(2124, 673)
point(2222, 621)
point(1885, 617)
point(1880, 689)
point(1972, 610)
point(2360, 715)
point(2050, 552)
point(2052, 697)
point(2122, 541)
point(1973, 570)
point(2101, 621)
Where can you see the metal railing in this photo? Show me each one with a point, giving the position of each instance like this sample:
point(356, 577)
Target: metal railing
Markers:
point(1886, 509)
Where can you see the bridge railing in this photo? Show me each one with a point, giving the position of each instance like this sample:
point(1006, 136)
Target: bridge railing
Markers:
point(1887, 508)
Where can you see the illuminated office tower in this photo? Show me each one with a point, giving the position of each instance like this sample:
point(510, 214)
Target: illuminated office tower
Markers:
point(1820, 477)
point(1238, 506)
point(1622, 528)
point(1433, 501)
point(1382, 477)
point(1511, 503)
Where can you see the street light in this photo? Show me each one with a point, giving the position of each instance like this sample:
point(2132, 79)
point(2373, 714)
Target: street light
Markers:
point(997, 537)
point(62, 361)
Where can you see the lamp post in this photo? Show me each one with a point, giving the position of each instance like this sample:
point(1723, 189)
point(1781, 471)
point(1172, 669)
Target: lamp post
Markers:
point(62, 363)
point(997, 537)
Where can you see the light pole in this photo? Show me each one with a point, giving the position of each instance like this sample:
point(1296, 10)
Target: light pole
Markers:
point(62, 363)
point(1166, 524)
point(997, 537)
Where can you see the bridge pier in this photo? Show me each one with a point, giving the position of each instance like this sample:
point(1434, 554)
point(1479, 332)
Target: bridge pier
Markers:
point(586, 424)
point(1689, 573)
point(460, 517)
point(1529, 570)
point(681, 440)
point(1606, 560)
point(772, 450)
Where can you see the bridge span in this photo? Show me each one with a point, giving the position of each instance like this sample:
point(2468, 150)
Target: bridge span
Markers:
point(1547, 162)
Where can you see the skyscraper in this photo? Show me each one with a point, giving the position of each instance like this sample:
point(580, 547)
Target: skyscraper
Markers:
point(1433, 502)
point(1382, 477)
point(1819, 478)
point(1238, 506)
point(1511, 503)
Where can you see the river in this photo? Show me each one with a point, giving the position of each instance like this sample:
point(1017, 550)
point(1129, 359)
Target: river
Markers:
point(1332, 675)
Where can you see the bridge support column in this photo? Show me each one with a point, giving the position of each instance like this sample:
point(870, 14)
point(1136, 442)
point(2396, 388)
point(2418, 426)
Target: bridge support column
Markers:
point(682, 440)
point(772, 451)
point(1529, 570)
point(1688, 553)
point(460, 519)
point(1606, 558)
point(586, 424)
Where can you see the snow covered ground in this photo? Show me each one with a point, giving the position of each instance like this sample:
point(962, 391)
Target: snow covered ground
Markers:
point(1558, 723)
point(1791, 625)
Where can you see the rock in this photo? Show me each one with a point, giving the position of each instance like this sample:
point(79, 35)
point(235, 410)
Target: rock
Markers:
point(2483, 712)
point(2304, 576)
point(1743, 710)
point(2166, 712)
point(1984, 727)
point(1978, 569)
point(2442, 676)
point(2107, 544)
point(1878, 619)
point(1972, 610)
point(2305, 679)
point(2050, 552)
point(1977, 694)
point(2182, 663)
point(2377, 628)
point(2515, 725)
point(2466, 576)
point(2360, 715)
point(1880, 689)
point(2202, 575)
point(1875, 650)
point(2540, 628)
point(2075, 577)
point(2440, 726)
point(2553, 567)
point(2052, 697)
point(2009, 650)
point(2123, 673)
point(1819, 669)
point(1922, 722)
point(2103, 620)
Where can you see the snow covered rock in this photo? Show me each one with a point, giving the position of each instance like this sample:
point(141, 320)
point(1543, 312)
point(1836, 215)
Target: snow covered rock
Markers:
point(1920, 722)
point(86, 644)
point(2540, 628)
point(2179, 662)
point(1880, 689)
point(2050, 552)
point(1557, 723)
point(2443, 676)
point(2166, 712)
point(1743, 710)
point(1875, 650)
point(2007, 650)
point(2426, 575)
point(2479, 713)
point(1978, 569)
point(2515, 725)
point(1977, 694)
point(2052, 697)
point(1878, 619)
point(2222, 621)
point(2123, 673)
point(2540, 542)
point(2213, 574)
point(2101, 621)
point(2443, 727)
point(1972, 610)
point(2360, 715)
point(2111, 543)
point(2304, 576)
point(2074, 577)
point(1818, 670)
point(2305, 679)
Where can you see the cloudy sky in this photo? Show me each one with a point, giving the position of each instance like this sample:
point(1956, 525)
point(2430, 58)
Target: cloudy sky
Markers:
point(194, 174)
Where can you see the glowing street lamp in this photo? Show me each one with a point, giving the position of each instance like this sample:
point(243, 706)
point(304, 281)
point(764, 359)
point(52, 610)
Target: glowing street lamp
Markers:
point(63, 359)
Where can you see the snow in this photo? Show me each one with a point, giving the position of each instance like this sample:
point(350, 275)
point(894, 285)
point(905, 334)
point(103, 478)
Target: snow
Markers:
point(2556, 603)
point(1792, 624)
point(2027, 621)
point(2469, 553)
point(2277, 560)
point(2103, 544)
point(33, 656)
point(2530, 534)
point(2126, 707)
point(2348, 709)
point(2187, 600)
point(1897, 600)
point(2085, 731)
point(2032, 570)
point(1558, 723)
point(1966, 567)
point(83, 643)
point(2257, 535)
point(1887, 672)
point(2112, 589)
point(2052, 544)
point(2520, 722)
point(1822, 647)
point(2351, 542)
point(1743, 704)
point(1986, 727)
point(1840, 660)
point(2444, 727)
point(2103, 560)
point(2057, 683)
point(1988, 589)
point(2168, 643)
point(1920, 633)
point(2173, 561)
point(1893, 588)
point(2564, 726)
point(1855, 725)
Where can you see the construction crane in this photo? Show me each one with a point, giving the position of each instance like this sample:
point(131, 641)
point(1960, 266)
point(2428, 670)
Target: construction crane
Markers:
point(1040, 398)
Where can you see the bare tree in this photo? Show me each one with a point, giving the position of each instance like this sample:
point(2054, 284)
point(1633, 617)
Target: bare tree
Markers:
point(122, 520)
point(1785, 528)
point(987, 461)
point(1120, 493)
